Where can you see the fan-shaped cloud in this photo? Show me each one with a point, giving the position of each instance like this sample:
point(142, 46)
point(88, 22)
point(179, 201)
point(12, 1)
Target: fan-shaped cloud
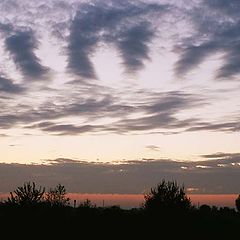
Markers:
point(127, 26)
point(21, 46)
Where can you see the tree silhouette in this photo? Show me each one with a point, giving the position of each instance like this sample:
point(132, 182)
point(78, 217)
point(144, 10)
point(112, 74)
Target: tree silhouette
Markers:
point(237, 203)
point(57, 196)
point(167, 197)
point(26, 195)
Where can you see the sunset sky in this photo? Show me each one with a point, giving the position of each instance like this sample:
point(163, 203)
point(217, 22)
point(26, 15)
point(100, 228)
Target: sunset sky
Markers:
point(115, 95)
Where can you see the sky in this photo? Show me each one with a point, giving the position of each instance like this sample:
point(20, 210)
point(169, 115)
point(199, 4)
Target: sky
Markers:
point(116, 95)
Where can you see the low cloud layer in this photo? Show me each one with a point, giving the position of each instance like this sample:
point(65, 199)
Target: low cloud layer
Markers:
point(218, 173)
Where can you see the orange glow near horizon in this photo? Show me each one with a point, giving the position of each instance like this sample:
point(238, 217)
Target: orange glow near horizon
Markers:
point(136, 200)
point(122, 200)
point(219, 200)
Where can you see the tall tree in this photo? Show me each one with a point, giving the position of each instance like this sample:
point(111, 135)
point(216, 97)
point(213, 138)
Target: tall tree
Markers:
point(167, 196)
point(27, 195)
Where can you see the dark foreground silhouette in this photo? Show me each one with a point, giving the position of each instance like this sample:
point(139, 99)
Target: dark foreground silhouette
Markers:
point(31, 212)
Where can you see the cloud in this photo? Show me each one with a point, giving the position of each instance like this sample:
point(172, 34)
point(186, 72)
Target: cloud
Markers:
point(135, 29)
point(230, 7)
point(9, 120)
point(70, 129)
point(221, 158)
point(152, 148)
point(154, 114)
point(232, 58)
point(126, 26)
point(223, 127)
point(79, 107)
point(172, 101)
point(216, 31)
point(192, 56)
point(21, 46)
point(130, 27)
point(152, 122)
point(7, 86)
point(133, 46)
point(82, 43)
point(3, 135)
point(6, 28)
point(90, 113)
point(216, 155)
point(161, 112)
point(209, 176)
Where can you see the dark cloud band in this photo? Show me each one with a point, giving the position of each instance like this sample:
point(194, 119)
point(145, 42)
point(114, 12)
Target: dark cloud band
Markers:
point(209, 176)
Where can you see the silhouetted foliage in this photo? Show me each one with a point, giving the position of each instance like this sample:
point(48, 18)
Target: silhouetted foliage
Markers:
point(26, 195)
point(237, 203)
point(57, 196)
point(205, 209)
point(167, 196)
point(87, 204)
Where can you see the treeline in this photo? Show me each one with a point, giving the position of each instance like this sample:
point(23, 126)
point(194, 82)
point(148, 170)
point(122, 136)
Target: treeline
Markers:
point(166, 211)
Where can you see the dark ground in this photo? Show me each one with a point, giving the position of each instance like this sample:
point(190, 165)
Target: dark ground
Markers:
point(113, 222)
